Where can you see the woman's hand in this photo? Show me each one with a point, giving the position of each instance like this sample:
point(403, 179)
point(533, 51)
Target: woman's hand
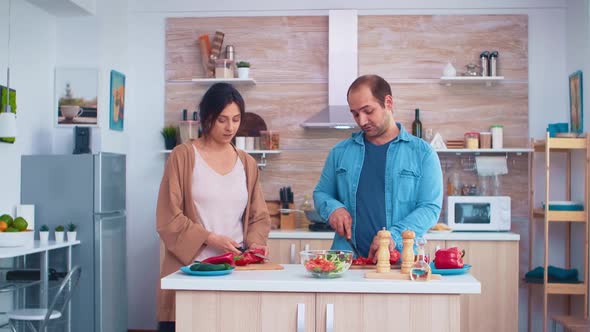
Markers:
point(223, 243)
point(257, 246)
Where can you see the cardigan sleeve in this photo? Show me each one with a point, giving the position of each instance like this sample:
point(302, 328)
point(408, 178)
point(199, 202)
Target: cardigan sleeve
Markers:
point(181, 236)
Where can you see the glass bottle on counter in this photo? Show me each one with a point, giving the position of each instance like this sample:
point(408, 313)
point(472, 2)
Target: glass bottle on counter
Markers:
point(305, 206)
point(417, 125)
point(421, 270)
point(454, 181)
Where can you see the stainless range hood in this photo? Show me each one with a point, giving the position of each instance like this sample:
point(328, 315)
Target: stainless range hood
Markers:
point(342, 71)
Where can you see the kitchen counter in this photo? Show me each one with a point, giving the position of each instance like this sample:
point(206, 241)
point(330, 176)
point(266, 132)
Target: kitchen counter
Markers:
point(305, 234)
point(292, 300)
point(294, 278)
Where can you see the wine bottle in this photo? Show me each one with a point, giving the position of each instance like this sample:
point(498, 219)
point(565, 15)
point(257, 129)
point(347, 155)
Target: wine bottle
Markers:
point(417, 125)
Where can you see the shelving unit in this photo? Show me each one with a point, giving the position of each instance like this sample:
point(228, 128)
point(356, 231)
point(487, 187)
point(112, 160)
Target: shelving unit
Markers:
point(549, 147)
point(262, 153)
point(487, 80)
point(210, 81)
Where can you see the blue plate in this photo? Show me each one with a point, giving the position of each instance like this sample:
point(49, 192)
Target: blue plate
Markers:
point(187, 270)
point(450, 272)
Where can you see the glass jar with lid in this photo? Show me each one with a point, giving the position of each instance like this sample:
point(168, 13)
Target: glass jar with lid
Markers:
point(471, 140)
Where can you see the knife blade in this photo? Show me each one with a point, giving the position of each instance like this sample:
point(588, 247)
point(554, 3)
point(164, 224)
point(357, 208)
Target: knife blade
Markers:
point(354, 248)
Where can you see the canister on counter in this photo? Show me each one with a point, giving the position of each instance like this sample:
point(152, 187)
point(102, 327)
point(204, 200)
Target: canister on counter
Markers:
point(497, 136)
point(485, 140)
point(471, 140)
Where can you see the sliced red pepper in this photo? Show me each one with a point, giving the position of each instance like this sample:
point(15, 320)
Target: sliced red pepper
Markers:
point(225, 258)
point(394, 256)
point(450, 258)
point(248, 257)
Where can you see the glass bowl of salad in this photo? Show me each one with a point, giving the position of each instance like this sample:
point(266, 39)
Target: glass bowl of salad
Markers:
point(326, 263)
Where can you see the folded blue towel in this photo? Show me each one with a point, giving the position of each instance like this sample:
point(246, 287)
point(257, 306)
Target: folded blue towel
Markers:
point(554, 274)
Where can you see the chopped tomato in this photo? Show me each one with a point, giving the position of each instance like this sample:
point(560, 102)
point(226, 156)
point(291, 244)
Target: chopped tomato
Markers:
point(320, 264)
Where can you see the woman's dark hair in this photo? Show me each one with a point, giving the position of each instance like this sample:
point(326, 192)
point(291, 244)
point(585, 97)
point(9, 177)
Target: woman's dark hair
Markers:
point(378, 86)
point(215, 100)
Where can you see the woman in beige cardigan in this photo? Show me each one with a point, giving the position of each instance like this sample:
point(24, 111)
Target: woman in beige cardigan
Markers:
point(193, 216)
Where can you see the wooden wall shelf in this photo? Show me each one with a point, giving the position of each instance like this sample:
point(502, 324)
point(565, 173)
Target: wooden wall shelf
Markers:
point(211, 81)
point(262, 154)
point(488, 81)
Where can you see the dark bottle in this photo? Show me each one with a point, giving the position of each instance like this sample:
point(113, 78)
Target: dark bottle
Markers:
point(417, 125)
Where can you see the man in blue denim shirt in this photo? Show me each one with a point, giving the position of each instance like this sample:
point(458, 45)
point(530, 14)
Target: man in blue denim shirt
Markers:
point(379, 177)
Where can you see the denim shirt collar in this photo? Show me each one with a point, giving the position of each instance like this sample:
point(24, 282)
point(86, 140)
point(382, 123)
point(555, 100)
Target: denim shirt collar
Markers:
point(403, 135)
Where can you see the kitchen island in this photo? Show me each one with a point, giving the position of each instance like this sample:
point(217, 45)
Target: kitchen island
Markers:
point(292, 300)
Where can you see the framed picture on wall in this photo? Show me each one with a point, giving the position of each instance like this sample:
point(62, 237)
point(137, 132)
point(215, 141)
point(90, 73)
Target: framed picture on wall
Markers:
point(76, 91)
point(117, 101)
point(576, 103)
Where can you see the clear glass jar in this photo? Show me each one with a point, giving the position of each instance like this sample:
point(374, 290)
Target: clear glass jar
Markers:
point(471, 140)
point(421, 270)
point(485, 140)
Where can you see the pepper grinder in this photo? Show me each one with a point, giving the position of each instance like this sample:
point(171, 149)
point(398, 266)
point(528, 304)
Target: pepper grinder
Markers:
point(383, 264)
point(407, 251)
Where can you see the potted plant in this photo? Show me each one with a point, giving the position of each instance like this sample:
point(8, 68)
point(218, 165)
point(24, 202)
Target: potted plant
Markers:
point(71, 232)
point(59, 234)
point(169, 134)
point(243, 69)
point(44, 234)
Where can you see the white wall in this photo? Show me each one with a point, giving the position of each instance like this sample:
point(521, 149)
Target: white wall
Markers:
point(32, 55)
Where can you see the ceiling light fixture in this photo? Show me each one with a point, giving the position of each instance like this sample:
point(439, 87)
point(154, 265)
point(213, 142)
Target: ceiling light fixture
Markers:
point(7, 118)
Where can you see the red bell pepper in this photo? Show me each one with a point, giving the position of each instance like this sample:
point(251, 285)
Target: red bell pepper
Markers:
point(248, 257)
point(450, 258)
point(225, 258)
point(394, 256)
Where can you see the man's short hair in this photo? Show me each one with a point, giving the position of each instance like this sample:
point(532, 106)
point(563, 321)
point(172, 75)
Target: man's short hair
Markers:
point(378, 86)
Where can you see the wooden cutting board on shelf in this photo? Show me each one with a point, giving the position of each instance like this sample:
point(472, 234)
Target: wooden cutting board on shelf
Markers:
point(264, 266)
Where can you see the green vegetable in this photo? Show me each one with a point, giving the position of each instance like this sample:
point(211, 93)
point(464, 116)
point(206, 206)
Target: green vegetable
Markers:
point(210, 267)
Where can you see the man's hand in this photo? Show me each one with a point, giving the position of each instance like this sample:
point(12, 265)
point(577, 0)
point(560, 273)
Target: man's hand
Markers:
point(341, 222)
point(375, 246)
point(223, 243)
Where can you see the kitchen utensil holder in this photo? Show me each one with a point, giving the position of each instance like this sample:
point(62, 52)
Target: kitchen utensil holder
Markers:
point(288, 220)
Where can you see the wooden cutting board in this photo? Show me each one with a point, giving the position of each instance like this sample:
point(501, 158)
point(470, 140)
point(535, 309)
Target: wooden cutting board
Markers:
point(265, 266)
point(395, 275)
point(373, 267)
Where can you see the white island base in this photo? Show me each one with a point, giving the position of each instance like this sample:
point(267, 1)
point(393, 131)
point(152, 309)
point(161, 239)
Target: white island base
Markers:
point(292, 300)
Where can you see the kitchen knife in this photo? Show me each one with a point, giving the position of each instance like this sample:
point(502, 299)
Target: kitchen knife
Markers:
point(354, 248)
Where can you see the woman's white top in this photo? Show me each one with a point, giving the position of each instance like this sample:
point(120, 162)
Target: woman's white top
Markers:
point(220, 201)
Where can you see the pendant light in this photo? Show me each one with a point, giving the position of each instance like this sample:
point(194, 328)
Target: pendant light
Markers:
point(7, 118)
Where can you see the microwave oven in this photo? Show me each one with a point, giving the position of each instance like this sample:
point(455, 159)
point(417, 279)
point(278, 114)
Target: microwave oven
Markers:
point(478, 213)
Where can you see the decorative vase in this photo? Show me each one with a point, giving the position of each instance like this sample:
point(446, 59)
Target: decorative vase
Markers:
point(71, 236)
point(170, 142)
point(243, 72)
point(44, 236)
point(59, 237)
